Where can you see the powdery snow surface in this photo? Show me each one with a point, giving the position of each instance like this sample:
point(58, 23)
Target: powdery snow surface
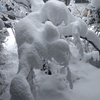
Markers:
point(87, 87)
point(85, 79)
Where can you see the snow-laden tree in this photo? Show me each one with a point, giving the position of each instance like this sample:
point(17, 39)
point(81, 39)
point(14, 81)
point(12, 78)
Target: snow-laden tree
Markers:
point(40, 36)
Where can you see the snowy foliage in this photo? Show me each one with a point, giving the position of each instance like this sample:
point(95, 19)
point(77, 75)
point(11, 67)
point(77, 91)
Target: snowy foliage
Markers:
point(34, 43)
point(40, 38)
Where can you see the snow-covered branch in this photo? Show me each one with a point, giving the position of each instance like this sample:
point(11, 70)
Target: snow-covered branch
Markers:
point(92, 38)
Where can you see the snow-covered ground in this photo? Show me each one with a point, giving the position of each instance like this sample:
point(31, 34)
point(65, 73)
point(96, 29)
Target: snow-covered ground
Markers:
point(86, 78)
point(87, 88)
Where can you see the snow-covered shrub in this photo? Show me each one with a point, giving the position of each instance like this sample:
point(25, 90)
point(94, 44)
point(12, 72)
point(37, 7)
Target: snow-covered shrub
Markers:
point(39, 37)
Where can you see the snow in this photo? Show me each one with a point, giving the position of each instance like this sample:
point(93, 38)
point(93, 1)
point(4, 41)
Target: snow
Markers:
point(51, 86)
point(93, 54)
point(36, 4)
point(86, 84)
point(86, 88)
point(38, 37)
point(57, 12)
point(85, 80)
point(78, 25)
point(59, 50)
point(51, 32)
point(95, 3)
point(10, 58)
point(91, 36)
point(20, 89)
